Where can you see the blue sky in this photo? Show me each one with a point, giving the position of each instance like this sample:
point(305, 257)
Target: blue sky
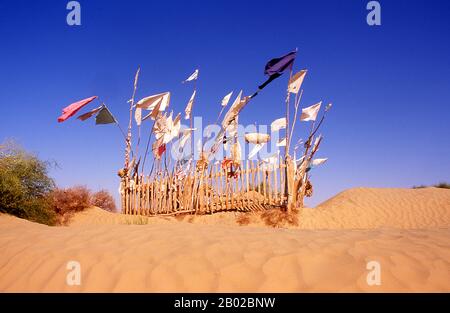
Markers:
point(389, 84)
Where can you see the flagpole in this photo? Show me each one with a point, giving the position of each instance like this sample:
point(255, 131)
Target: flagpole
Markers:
point(297, 102)
point(115, 121)
point(139, 138)
point(148, 144)
point(220, 114)
point(286, 150)
point(128, 139)
point(190, 119)
point(121, 130)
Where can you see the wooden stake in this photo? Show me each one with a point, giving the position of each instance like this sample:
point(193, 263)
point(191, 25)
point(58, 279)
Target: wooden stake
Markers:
point(275, 174)
point(128, 140)
point(258, 182)
point(247, 182)
point(286, 151)
point(297, 102)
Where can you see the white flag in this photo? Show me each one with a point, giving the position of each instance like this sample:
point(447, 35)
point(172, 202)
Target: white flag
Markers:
point(176, 126)
point(296, 82)
point(298, 163)
point(149, 103)
point(278, 124)
point(193, 76)
point(160, 127)
point(167, 137)
point(166, 128)
point(281, 143)
point(226, 99)
point(231, 114)
point(172, 128)
point(188, 109)
point(317, 162)
point(257, 138)
point(310, 113)
point(255, 150)
point(138, 116)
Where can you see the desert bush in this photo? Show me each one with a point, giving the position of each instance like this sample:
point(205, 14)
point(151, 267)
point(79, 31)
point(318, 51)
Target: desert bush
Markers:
point(279, 218)
point(443, 185)
point(243, 219)
point(66, 202)
point(104, 200)
point(25, 185)
point(439, 185)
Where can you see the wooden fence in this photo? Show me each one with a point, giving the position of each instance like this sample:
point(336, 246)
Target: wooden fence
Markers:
point(248, 186)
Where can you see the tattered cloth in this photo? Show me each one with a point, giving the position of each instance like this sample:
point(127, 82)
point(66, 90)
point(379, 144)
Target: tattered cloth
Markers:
point(72, 109)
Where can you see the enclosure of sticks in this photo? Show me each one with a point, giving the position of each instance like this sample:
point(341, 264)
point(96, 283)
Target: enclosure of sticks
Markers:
point(233, 184)
point(249, 186)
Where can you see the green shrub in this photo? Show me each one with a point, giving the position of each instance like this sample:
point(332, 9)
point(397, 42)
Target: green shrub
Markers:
point(25, 185)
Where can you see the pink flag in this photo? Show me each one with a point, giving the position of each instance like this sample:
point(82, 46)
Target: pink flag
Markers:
point(74, 108)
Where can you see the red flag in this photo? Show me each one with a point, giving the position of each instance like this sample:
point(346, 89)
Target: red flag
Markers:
point(74, 108)
point(87, 115)
point(161, 150)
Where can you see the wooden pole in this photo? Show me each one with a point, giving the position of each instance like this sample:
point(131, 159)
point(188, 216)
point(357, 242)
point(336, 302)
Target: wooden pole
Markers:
point(190, 119)
point(227, 190)
point(281, 167)
point(220, 114)
point(275, 174)
point(147, 211)
point(152, 200)
point(297, 102)
point(220, 187)
point(128, 139)
point(266, 177)
point(237, 190)
point(148, 144)
point(247, 183)
point(258, 182)
point(286, 150)
point(306, 160)
point(242, 187)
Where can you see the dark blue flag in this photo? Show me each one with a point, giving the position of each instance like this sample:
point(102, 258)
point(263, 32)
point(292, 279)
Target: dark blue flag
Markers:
point(279, 65)
point(275, 67)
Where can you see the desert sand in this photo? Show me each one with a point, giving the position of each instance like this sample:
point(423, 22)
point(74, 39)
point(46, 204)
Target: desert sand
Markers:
point(406, 230)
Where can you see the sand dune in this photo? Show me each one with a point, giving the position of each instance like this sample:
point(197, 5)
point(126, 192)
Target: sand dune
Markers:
point(164, 254)
point(358, 208)
point(368, 208)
